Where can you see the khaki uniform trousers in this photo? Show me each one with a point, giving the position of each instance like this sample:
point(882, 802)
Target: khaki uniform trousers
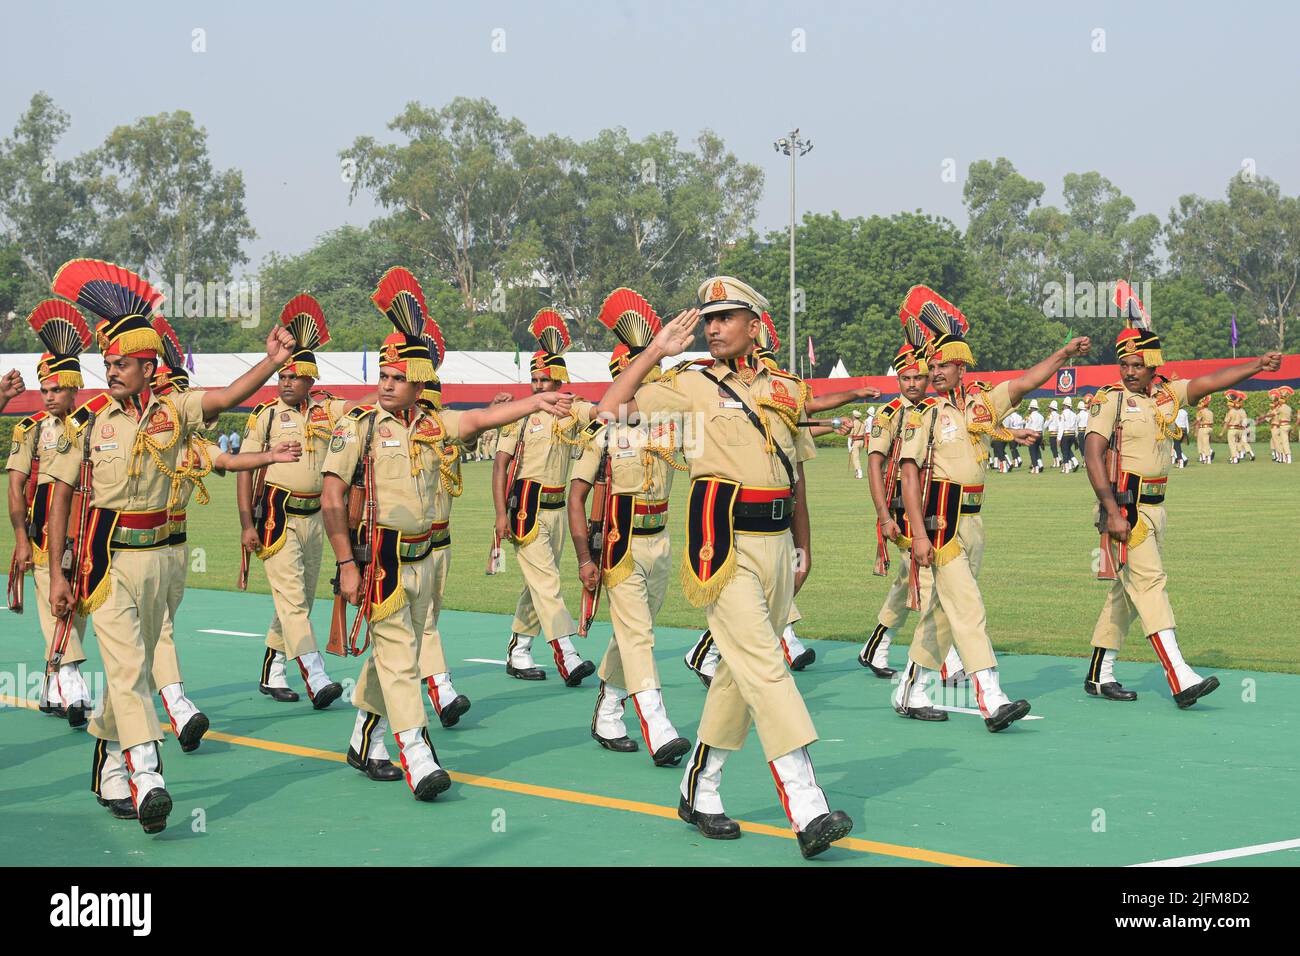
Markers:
point(752, 684)
point(73, 654)
point(855, 459)
point(541, 603)
point(1203, 442)
point(1282, 441)
point(292, 573)
point(166, 663)
point(432, 660)
point(1236, 442)
point(1140, 590)
point(634, 603)
point(127, 626)
point(952, 608)
point(894, 612)
point(390, 679)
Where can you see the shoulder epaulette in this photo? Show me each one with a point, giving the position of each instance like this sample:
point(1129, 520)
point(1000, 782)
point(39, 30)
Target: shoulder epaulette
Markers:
point(1116, 387)
point(24, 426)
point(322, 395)
point(782, 373)
point(889, 409)
point(360, 412)
point(92, 407)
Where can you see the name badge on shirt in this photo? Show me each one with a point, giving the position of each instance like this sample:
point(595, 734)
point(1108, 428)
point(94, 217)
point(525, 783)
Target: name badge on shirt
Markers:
point(287, 424)
point(731, 404)
point(536, 428)
point(626, 454)
point(391, 443)
point(110, 446)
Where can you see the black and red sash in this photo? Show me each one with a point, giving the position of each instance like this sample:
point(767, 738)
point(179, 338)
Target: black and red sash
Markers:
point(709, 558)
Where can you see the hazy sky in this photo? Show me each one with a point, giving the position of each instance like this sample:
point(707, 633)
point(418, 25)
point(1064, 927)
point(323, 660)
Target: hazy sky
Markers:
point(1183, 93)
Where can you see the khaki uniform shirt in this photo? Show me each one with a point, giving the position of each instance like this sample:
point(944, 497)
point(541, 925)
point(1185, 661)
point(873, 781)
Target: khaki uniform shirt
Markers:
point(857, 433)
point(888, 421)
point(1282, 417)
point(1143, 449)
point(39, 442)
point(548, 443)
point(310, 425)
point(636, 459)
point(1235, 418)
point(719, 439)
point(960, 454)
point(126, 476)
point(1204, 419)
point(411, 480)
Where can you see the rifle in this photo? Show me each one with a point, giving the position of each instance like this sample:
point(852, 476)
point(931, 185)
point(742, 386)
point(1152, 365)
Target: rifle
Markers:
point(74, 547)
point(258, 503)
point(914, 573)
point(496, 562)
point(362, 515)
point(1108, 569)
point(597, 534)
point(891, 484)
point(16, 573)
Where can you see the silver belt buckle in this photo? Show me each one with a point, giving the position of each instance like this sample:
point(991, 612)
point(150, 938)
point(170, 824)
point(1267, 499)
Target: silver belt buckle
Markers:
point(778, 509)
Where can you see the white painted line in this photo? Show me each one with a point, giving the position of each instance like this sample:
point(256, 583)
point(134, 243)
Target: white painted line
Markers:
point(230, 633)
point(483, 660)
point(1255, 850)
point(975, 711)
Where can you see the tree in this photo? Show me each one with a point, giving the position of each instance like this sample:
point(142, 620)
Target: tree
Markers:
point(999, 202)
point(43, 209)
point(1247, 245)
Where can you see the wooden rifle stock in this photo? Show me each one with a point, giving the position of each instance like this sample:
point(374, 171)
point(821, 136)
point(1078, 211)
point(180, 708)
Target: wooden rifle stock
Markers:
point(496, 562)
point(891, 484)
point(597, 536)
point(1108, 567)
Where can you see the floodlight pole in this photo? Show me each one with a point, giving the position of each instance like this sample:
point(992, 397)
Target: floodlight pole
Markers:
point(794, 147)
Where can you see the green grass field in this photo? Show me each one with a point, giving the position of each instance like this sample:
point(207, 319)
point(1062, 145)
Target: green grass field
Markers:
point(1230, 554)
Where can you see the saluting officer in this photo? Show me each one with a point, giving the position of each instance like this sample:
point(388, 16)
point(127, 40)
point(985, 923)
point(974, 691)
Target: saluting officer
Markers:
point(531, 513)
point(747, 515)
point(636, 464)
point(1136, 415)
point(37, 438)
point(131, 439)
point(943, 461)
point(283, 527)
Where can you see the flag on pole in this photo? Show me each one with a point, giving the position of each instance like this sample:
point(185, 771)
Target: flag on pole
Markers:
point(189, 356)
point(812, 356)
point(364, 376)
point(1234, 329)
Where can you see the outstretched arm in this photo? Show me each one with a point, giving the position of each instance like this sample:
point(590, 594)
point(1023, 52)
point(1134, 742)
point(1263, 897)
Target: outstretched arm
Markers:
point(279, 348)
point(284, 451)
point(478, 420)
point(1230, 375)
point(11, 386)
point(1040, 373)
point(824, 403)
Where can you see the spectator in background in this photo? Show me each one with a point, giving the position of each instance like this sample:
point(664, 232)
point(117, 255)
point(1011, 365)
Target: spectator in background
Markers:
point(224, 443)
point(234, 442)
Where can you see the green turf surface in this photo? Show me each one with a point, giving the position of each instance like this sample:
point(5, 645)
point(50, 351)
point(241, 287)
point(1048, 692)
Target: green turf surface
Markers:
point(1169, 783)
point(1230, 554)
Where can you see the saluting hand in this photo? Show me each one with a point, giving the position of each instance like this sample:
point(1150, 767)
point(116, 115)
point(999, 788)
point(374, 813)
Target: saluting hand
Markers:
point(279, 345)
point(286, 451)
point(676, 336)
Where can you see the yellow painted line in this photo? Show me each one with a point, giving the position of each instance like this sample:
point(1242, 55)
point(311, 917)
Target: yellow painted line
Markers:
point(585, 799)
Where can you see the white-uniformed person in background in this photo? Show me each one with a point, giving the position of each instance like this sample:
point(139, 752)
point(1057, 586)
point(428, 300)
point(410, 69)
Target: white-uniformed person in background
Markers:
point(1053, 427)
point(1035, 422)
point(1013, 420)
point(1065, 436)
point(1184, 425)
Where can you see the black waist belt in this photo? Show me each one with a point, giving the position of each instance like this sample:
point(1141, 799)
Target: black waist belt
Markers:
point(762, 517)
point(646, 532)
point(545, 505)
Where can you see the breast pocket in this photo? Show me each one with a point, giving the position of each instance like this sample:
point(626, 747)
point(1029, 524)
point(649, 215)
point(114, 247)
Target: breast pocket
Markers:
point(392, 463)
point(731, 428)
point(110, 468)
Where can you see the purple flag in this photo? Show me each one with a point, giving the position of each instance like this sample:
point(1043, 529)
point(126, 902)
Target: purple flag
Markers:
point(1234, 329)
point(189, 356)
